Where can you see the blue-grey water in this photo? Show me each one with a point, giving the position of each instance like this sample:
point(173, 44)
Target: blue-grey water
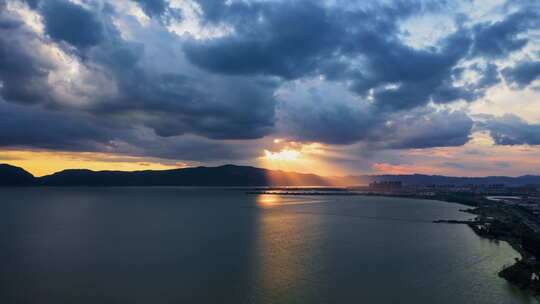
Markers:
point(178, 245)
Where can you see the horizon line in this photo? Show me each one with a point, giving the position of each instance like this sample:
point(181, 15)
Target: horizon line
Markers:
point(296, 172)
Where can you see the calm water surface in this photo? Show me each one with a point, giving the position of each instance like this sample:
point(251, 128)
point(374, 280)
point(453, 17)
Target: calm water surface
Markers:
point(177, 245)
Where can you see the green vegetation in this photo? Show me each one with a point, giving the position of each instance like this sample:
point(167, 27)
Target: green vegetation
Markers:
point(502, 223)
point(464, 198)
point(524, 274)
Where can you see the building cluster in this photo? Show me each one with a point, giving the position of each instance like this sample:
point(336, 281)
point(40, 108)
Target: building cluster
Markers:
point(524, 196)
point(386, 186)
point(485, 189)
point(531, 203)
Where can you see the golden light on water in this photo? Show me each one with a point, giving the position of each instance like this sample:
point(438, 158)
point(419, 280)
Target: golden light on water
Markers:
point(268, 200)
point(284, 250)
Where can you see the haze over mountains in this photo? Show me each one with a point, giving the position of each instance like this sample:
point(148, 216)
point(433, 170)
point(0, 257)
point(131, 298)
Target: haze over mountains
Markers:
point(230, 175)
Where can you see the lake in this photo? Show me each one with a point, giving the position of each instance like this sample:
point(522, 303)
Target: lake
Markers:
point(192, 245)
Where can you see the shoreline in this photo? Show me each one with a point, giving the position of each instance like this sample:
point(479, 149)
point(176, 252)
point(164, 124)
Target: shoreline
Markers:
point(492, 221)
point(521, 273)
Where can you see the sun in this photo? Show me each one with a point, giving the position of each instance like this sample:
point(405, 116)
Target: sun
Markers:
point(291, 156)
point(285, 154)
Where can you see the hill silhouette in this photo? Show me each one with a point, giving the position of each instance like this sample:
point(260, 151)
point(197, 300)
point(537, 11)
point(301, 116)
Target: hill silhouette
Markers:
point(15, 176)
point(227, 175)
point(230, 175)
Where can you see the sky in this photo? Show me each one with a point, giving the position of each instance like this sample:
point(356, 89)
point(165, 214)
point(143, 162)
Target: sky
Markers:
point(332, 87)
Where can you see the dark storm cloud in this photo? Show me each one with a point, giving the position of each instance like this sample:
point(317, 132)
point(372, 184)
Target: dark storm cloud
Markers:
point(424, 76)
point(217, 11)
point(170, 103)
point(304, 38)
point(332, 123)
point(23, 77)
point(247, 112)
point(429, 129)
point(509, 130)
point(175, 104)
point(346, 124)
point(188, 93)
point(22, 126)
point(197, 149)
point(294, 39)
point(490, 76)
point(153, 7)
point(160, 10)
point(9, 24)
point(31, 3)
point(71, 23)
point(287, 39)
point(498, 39)
point(522, 74)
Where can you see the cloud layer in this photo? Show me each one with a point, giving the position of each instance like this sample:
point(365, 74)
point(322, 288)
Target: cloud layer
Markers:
point(212, 80)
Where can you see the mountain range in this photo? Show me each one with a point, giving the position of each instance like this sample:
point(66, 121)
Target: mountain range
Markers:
point(231, 175)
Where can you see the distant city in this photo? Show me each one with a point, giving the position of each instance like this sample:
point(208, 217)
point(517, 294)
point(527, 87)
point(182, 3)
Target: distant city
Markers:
point(526, 196)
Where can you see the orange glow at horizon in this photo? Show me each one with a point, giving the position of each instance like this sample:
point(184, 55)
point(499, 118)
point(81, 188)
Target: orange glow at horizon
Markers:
point(41, 163)
point(308, 158)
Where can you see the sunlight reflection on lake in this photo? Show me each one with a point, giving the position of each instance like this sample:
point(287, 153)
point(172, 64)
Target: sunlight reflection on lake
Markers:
point(169, 245)
point(287, 250)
